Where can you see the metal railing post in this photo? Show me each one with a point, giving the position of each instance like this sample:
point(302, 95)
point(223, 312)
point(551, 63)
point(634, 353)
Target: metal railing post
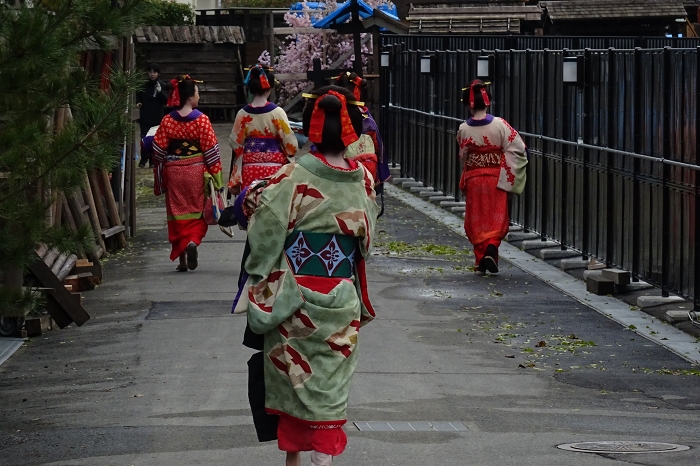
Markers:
point(696, 265)
point(587, 133)
point(610, 160)
point(544, 176)
point(666, 168)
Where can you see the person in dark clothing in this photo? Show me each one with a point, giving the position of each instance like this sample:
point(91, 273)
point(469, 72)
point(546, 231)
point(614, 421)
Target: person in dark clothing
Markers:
point(151, 101)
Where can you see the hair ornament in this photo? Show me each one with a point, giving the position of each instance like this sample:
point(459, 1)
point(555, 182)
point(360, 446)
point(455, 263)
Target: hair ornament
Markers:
point(349, 102)
point(318, 120)
point(174, 97)
point(484, 94)
point(264, 83)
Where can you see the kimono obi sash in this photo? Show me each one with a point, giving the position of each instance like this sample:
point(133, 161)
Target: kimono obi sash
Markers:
point(321, 254)
point(182, 149)
point(264, 152)
point(483, 157)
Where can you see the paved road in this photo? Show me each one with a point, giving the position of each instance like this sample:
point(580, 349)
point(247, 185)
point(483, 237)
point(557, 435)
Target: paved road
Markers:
point(158, 376)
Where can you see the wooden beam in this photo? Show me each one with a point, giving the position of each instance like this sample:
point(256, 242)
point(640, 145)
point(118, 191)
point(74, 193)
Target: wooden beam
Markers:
point(292, 31)
point(92, 211)
point(61, 304)
point(112, 207)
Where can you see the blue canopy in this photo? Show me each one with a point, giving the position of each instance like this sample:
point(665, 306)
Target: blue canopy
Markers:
point(344, 12)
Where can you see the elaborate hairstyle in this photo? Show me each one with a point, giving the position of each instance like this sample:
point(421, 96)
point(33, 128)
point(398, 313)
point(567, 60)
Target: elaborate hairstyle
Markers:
point(353, 83)
point(476, 96)
point(332, 119)
point(153, 66)
point(181, 89)
point(259, 79)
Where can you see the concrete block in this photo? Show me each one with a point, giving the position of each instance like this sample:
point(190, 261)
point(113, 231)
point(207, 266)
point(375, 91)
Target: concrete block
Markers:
point(573, 264)
point(529, 245)
point(599, 285)
point(411, 184)
point(674, 317)
point(400, 181)
point(557, 253)
point(429, 194)
point(420, 189)
point(620, 277)
point(438, 199)
point(395, 171)
point(645, 302)
point(520, 236)
point(515, 228)
point(633, 286)
point(457, 209)
point(595, 265)
point(452, 203)
point(592, 273)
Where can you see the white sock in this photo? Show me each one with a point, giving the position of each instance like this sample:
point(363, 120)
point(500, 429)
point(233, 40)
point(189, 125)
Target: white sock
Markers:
point(320, 459)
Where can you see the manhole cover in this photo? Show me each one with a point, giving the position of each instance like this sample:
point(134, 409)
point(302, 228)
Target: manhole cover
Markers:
point(623, 447)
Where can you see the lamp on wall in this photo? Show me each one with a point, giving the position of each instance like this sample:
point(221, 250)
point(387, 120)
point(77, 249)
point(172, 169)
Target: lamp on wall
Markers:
point(384, 60)
point(573, 70)
point(484, 67)
point(427, 64)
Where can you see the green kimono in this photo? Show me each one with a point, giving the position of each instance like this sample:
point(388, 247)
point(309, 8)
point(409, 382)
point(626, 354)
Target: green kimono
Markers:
point(309, 237)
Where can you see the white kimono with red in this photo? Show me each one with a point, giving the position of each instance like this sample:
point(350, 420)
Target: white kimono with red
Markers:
point(493, 165)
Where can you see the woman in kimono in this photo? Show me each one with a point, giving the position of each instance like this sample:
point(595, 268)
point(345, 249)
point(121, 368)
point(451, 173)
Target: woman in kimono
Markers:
point(369, 152)
point(309, 238)
point(185, 156)
point(493, 160)
point(261, 138)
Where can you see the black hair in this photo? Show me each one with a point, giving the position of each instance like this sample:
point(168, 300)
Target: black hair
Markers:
point(186, 88)
point(348, 82)
point(479, 103)
point(254, 85)
point(153, 66)
point(332, 128)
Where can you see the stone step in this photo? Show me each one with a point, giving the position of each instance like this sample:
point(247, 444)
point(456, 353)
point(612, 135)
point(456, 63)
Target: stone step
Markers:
point(600, 286)
point(411, 184)
point(675, 317)
point(430, 194)
point(450, 204)
point(529, 245)
point(573, 264)
point(420, 189)
point(557, 253)
point(439, 199)
point(620, 277)
point(645, 302)
point(521, 236)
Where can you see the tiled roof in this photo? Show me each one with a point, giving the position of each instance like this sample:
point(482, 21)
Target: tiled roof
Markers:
point(190, 34)
point(609, 9)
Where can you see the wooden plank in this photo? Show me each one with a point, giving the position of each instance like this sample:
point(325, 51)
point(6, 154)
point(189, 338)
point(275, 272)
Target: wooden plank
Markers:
point(83, 263)
point(109, 232)
point(98, 200)
point(94, 218)
point(205, 33)
point(42, 250)
point(60, 303)
point(112, 207)
point(68, 215)
point(291, 77)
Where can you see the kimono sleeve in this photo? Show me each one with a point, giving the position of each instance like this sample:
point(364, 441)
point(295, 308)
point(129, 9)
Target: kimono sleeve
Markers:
point(273, 294)
point(210, 150)
point(237, 142)
point(161, 140)
point(288, 140)
point(513, 165)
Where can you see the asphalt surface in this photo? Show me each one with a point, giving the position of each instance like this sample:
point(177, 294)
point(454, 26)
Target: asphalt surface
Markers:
point(158, 375)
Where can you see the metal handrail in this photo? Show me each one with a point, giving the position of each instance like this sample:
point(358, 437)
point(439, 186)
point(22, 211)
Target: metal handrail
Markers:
point(582, 145)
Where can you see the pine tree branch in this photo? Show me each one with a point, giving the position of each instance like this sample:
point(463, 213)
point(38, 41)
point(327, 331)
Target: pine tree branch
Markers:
point(75, 147)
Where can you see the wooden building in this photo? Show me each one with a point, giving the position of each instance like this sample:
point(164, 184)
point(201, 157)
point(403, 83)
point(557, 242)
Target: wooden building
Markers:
point(495, 18)
point(614, 17)
point(209, 53)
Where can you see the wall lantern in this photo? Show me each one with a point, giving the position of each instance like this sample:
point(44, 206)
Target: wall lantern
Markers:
point(427, 65)
point(384, 60)
point(573, 70)
point(484, 67)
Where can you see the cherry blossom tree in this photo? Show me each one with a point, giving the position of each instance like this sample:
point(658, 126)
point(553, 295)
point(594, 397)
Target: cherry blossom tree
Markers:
point(299, 51)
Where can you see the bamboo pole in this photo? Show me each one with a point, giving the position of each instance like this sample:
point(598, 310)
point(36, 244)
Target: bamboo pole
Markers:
point(112, 207)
